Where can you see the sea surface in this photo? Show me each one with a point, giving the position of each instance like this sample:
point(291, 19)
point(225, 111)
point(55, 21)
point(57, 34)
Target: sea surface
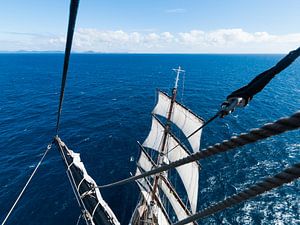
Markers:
point(107, 106)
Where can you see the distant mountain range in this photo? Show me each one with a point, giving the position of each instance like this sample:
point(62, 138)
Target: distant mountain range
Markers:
point(61, 52)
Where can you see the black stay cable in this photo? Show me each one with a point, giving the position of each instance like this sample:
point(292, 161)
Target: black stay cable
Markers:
point(261, 80)
point(247, 92)
point(72, 20)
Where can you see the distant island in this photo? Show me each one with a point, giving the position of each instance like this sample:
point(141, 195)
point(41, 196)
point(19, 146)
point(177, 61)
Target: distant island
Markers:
point(59, 52)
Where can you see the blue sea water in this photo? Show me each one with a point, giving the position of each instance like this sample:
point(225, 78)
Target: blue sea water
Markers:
point(107, 108)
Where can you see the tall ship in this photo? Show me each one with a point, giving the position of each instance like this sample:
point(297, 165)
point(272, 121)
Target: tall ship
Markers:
point(158, 192)
point(167, 172)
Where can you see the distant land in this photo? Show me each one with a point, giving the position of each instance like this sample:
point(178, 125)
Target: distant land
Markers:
point(62, 52)
point(93, 52)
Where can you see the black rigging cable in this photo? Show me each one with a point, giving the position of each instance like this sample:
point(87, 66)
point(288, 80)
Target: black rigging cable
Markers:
point(247, 92)
point(72, 20)
point(261, 80)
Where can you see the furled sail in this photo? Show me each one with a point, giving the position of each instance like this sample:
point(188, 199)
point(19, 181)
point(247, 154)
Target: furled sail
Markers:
point(188, 173)
point(182, 117)
point(95, 209)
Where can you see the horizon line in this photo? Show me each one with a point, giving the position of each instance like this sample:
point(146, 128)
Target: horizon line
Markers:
point(144, 53)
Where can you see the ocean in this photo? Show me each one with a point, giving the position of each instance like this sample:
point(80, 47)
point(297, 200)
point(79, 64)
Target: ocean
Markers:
point(107, 108)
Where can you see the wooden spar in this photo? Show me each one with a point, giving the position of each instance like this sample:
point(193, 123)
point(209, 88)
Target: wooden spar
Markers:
point(166, 130)
point(157, 199)
point(176, 139)
point(169, 185)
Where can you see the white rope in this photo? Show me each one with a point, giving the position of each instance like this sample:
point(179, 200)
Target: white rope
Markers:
point(182, 92)
point(79, 218)
point(24, 188)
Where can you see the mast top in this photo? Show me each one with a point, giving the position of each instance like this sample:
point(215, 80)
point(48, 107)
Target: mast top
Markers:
point(178, 71)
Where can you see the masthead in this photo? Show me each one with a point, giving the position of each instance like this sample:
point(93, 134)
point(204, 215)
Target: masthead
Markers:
point(178, 71)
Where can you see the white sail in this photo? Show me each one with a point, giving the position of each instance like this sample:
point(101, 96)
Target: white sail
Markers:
point(154, 139)
point(161, 218)
point(182, 117)
point(146, 192)
point(189, 173)
point(178, 209)
point(142, 183)
point(146, 164)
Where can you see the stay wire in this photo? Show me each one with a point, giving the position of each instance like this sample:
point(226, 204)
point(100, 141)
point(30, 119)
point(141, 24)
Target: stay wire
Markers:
point(79, 219)
point(27, 183)
point(71, 26)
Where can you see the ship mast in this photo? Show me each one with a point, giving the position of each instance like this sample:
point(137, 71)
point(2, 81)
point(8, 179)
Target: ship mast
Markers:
point(167, 129)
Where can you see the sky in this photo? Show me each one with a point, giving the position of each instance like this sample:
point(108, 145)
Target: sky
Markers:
point(153, 26)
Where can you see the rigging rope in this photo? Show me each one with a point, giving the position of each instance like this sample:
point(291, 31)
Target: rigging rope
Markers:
point(268, 130)
point(246, 93)
point(286, 176)
point(242, 96)
point(27, 183)
point(72, 20)
point(78, 220)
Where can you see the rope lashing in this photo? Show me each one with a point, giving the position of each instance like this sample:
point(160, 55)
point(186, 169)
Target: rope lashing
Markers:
point(243, 95)
point(27, 183)
point(286, 176)
point(268, 130)
point(72, 20)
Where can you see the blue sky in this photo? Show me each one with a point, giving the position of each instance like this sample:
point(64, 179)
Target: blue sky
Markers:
point(184, 26)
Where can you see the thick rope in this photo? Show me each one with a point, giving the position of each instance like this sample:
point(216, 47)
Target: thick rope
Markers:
point(72, 20)
point(268, 130)
point(260, 81)
point(286, 176)
point(27, 183)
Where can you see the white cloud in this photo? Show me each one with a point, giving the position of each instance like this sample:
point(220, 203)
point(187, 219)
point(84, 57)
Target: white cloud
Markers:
point(178, 10)
point(194, 41)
